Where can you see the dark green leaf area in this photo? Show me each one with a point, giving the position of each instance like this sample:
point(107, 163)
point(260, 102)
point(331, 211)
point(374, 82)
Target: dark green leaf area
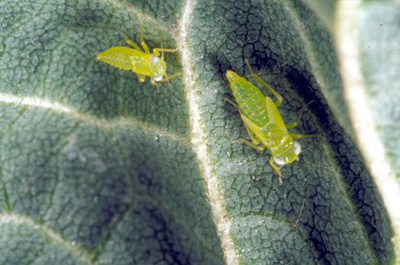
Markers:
point(321, 70)
point(29, 160)
point(81, 180)
point(325, 218)
point(362, 192)
point(266, 240)
point(166, 12)
point(151, 234)
point(224, 34)
point(26, 244)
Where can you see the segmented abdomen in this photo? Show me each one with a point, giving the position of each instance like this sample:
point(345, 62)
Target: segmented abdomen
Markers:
point(118, 57)
point(251, 101)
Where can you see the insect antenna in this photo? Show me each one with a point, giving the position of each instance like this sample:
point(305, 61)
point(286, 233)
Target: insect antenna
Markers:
point(302, 151)
point(162, 51)
point(317, 135)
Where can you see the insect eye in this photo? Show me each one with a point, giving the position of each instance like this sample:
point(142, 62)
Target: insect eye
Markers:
point(297, 148)
point(279, 161)
point(154, 59)
point(158, 78)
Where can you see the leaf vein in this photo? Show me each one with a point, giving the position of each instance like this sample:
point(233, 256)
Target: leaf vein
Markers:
point(16, 219)
point(146, 127)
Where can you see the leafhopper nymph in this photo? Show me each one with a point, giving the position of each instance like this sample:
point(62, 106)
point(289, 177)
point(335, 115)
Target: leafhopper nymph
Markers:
point(263, 121)
point(143, 63)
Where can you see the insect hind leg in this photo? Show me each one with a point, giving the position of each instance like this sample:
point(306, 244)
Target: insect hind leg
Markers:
point(254, 139)
point(304, 136)
point(144, 45)
point(259, 148)
point(294, 124)
point(246, 121)
point(130, 42)
point(301, 112)
point(232, 103)
point(278, 96)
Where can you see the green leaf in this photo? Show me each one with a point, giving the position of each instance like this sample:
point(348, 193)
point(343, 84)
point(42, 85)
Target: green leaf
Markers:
point(98, 168)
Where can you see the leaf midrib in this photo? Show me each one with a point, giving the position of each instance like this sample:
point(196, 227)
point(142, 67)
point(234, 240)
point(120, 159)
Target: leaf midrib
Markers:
point(199, 147)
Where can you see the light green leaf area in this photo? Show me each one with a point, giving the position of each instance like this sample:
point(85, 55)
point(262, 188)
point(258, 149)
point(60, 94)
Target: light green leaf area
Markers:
point(370, 43)
point(380, 55)
point(324, 10)
point(99, 168)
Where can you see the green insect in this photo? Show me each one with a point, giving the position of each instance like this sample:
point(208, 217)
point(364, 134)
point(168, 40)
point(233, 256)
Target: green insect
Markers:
point(141, 63)
point(263, 121)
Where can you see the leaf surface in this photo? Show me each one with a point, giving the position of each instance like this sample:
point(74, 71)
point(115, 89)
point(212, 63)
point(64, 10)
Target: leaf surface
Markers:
point(98, 168)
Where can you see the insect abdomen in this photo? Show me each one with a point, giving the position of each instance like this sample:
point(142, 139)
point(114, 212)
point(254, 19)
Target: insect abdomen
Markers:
point(118, 57)
point(250, 100)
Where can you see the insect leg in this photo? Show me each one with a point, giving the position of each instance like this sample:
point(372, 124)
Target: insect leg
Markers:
point(302, 110)
point(279, 97)
point(254, 141)
point(303, 136)
point(154, 83)
point(144, 45)
point(130, 42)
point(169, 77)
point(232, 103)
point(247, 122)
point(157, 51)
point(141, 78)
point(271, 161)
point(259, 148)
